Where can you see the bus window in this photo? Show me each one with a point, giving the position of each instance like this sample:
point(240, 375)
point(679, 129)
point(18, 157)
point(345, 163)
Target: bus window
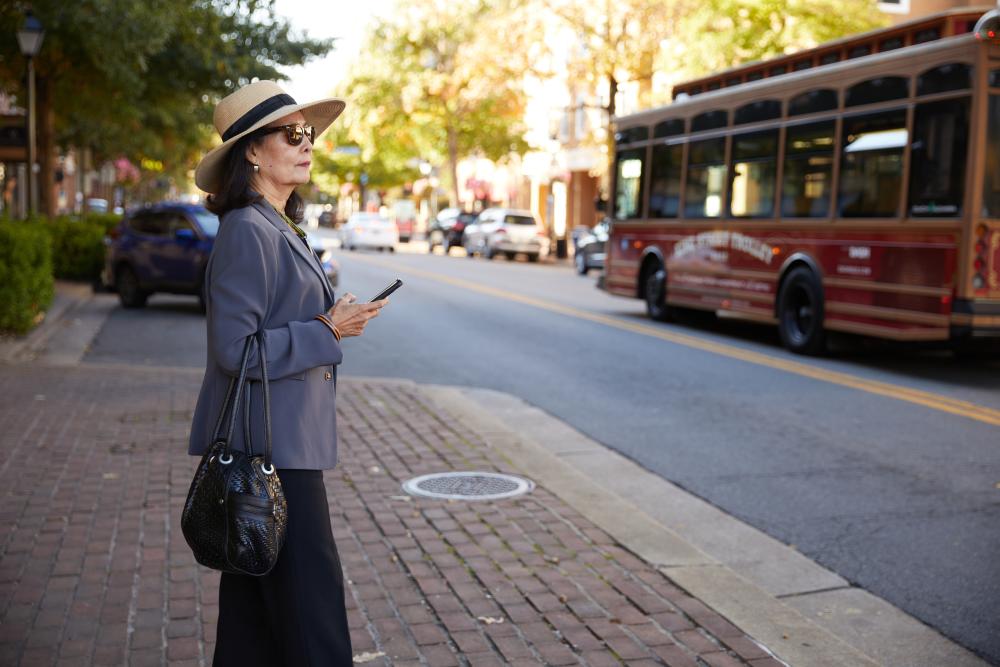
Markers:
point(871, 165)
point(757, 111)
point(709, 120)
point(890, 44)
point(628, 184)
point(632, 134)
point(755, 158)
point(875, 90)
point(995, 78)
point(956, 76)
point(705, 176)
point(991, 189)
point(808, 171)
point(937, 158)
point(665, 191)
point(668, 128)
point(813, 101)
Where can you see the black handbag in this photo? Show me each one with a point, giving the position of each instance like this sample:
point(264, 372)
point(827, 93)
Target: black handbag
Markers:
point(235, 514)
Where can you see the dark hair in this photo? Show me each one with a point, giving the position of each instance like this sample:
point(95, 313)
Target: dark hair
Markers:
point(237, 175)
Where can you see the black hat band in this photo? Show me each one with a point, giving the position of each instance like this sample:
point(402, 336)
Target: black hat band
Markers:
point(250, 118)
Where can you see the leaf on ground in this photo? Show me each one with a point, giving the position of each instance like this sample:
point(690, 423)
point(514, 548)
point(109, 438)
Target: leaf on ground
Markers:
point(368, 657)
point(489, 620)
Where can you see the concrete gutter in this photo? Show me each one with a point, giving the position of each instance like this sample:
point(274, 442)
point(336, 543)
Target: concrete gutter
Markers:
point(70, 325)
point(803, 613)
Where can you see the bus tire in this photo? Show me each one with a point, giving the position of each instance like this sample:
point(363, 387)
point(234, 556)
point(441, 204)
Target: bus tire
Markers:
point(800, 313)
point(655, 294)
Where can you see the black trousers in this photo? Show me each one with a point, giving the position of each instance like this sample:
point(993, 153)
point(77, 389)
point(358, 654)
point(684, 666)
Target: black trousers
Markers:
point(295, 615)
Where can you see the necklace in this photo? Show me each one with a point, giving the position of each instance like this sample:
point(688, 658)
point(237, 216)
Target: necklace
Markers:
point(298, 230)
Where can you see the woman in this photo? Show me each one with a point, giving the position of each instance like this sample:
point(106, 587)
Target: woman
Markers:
point(262, 276)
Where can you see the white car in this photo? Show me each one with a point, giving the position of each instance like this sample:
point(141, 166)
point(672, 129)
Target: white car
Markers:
point(369, 230)
point(506, 230)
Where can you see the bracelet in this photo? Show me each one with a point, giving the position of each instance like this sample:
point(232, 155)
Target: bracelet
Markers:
point(325, 319)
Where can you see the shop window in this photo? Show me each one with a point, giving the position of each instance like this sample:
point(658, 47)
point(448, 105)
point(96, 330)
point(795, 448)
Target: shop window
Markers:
point(871, 165)
point(665, 185)
point(808, 170)
point(706, 175)
point(754, 171)
point(628, 184)
point(937, 158)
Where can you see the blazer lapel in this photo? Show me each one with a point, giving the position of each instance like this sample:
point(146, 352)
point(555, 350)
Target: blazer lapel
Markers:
point(297, 245)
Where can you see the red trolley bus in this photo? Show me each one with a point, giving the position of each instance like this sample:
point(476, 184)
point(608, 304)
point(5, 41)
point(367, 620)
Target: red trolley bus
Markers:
point(859, 195)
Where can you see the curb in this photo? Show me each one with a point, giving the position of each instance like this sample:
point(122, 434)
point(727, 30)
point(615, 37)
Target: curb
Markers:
point(64, 335)
point(801, 612)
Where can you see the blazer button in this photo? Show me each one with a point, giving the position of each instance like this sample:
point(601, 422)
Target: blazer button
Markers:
point(328, 376)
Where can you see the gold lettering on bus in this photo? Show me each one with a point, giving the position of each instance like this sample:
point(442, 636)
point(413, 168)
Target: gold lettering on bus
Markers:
point(735, 241)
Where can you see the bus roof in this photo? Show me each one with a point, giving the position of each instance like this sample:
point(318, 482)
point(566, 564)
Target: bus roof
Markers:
point(910, 33)
point(961, 48)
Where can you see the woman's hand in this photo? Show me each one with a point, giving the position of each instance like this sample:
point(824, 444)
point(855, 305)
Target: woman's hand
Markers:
point(350, 317)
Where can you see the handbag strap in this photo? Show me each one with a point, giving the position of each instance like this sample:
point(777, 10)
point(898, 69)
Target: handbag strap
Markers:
point(267, 400)
point(231, 404)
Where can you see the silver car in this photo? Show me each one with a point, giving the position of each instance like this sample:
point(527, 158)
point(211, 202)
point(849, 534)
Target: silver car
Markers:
point(508, 231)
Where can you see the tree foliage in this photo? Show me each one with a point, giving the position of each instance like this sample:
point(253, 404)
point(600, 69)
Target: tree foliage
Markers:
point(433, 85)
point(140, 78)
point(720, 34)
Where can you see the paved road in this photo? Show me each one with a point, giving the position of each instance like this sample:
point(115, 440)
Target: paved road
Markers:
point(881, 463)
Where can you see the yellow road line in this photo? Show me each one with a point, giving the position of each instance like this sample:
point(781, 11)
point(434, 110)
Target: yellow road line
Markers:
point(927, 399)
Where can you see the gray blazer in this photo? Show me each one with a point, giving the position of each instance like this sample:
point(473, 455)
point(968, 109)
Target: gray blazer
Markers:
point(262, 276)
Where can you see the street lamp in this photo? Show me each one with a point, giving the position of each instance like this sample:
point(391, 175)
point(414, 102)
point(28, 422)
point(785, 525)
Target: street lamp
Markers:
point(29, 37)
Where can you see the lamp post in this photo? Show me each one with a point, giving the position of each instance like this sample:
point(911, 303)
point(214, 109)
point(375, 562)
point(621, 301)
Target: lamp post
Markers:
point(29, 37)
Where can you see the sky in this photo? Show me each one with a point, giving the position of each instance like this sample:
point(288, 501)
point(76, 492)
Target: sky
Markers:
point(345, 21)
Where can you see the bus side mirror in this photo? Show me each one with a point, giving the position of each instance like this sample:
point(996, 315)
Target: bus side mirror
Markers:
point(988, 27)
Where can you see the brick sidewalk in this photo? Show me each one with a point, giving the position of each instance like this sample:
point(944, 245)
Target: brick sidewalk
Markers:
point(94, 570)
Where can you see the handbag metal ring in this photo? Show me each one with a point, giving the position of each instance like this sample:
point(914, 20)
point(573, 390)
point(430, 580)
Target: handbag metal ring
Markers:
point(223, 461)
point(265, 470)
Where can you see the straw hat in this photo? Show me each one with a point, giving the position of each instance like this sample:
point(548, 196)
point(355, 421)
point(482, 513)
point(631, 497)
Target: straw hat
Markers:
point(250, 108)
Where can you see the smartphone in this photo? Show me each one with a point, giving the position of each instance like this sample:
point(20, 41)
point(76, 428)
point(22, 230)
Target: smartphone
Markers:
point(388, 290)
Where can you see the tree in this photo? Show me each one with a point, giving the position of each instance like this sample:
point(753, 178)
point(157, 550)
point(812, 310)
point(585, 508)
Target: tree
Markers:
point(433, 85)
point(720, 34)
point(631, 41)
point(139, 79)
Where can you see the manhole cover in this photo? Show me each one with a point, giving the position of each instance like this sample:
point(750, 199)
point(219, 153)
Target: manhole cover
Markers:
point(468, 486)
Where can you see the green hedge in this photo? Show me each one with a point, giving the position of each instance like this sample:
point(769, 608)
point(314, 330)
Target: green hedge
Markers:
point(78, 245)
point(26, 281)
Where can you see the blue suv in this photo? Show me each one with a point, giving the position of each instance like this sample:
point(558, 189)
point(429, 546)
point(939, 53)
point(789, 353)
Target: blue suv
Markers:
point(165, 248)
point(161, 248)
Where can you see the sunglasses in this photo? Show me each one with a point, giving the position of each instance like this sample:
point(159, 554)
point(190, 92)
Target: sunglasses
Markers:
point(294, 133)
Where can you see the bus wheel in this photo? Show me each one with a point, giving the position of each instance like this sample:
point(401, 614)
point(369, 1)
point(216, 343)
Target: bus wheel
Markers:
point(800, 313)
point(656, 295)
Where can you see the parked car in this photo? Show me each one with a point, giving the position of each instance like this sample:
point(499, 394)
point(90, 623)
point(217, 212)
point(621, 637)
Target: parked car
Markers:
point(447, 228)
point(508, 231)
point(590, 248)
point(165, 248)
point(369, 230)
point(404, 213)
